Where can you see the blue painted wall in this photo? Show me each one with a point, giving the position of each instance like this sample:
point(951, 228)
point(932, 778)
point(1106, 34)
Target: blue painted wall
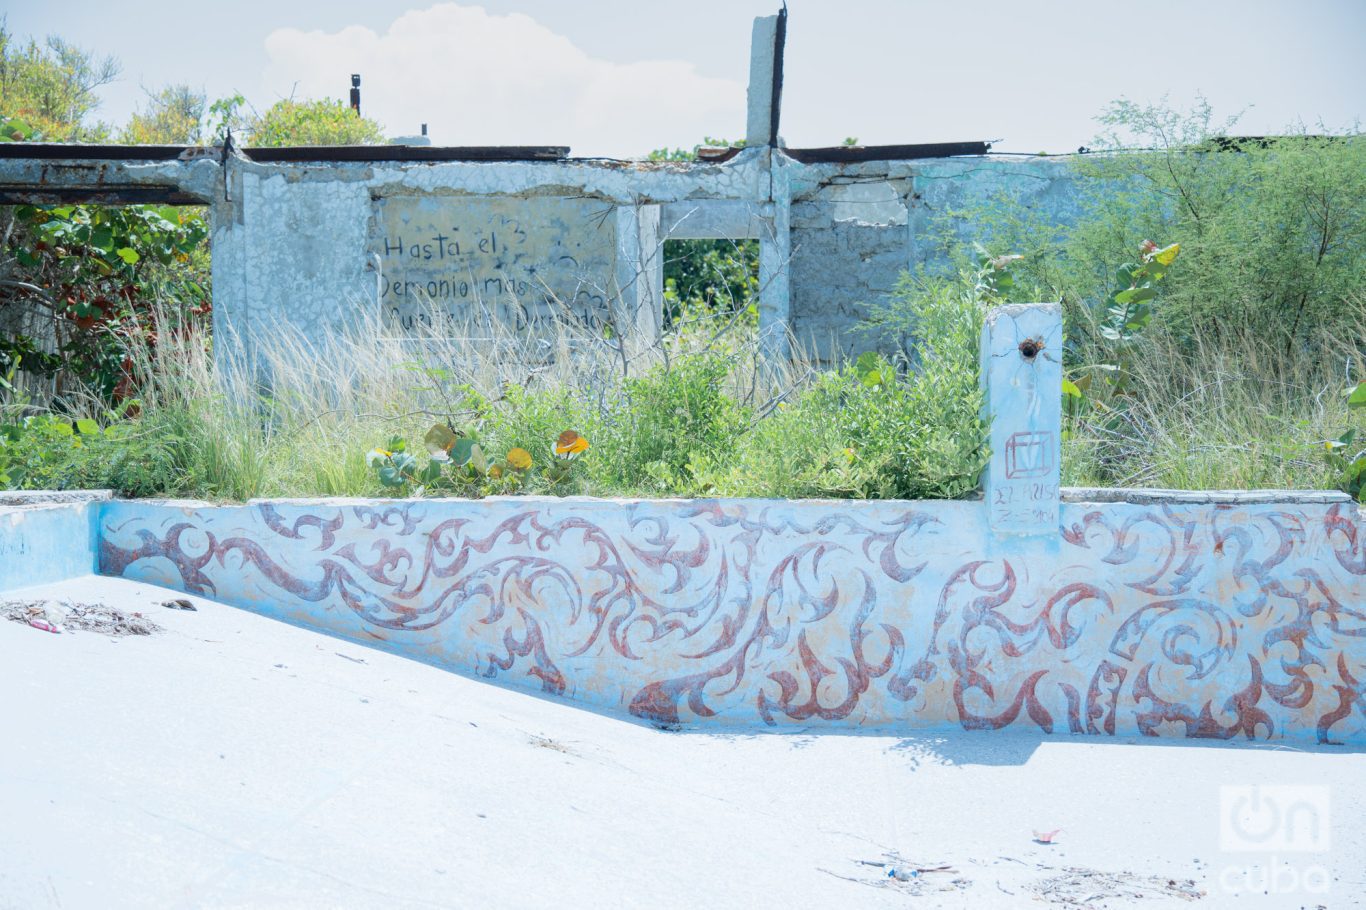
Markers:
point(46, 543)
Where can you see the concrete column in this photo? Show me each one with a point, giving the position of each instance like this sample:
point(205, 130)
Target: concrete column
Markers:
point(231, 254)
point(763, 59)
point(1022, 381)
point(775, 265)
point(650, 284)
point(639, 271)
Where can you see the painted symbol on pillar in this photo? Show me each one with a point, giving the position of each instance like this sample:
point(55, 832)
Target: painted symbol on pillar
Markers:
point(1029, 454)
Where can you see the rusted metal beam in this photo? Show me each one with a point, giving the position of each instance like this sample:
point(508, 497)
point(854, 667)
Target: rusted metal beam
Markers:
point(71, 151)
point(717, 155)
point(49, 151)
point(326, 153)
point(844, 154)
point(776, 101)
point(24, 194)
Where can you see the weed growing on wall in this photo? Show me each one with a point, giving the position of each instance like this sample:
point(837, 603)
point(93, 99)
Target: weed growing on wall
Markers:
point(362, 413)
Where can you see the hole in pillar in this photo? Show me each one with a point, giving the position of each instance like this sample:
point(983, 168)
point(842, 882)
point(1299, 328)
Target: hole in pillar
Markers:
point(710, 280)
point(1030, 348)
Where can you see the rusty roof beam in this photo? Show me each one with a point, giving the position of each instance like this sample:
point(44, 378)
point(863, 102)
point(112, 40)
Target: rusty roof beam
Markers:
point(855, 153)
point(28, 194)
point(48, 151)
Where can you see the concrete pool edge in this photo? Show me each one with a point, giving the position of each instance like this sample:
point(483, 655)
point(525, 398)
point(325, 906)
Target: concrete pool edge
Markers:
point(1211, 619)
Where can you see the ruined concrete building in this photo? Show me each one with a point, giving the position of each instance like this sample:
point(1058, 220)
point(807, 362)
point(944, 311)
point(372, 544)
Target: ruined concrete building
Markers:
point(314, 236)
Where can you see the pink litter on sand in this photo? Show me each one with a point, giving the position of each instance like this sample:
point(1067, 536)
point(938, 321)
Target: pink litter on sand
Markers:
point(1046, 837)
point(44, 625)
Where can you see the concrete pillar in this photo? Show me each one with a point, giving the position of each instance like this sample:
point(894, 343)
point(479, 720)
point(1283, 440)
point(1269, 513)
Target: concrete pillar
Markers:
point(1022, 382)
point(639, 271)
point(650, 292)
point(229, 265)
point(763, 61)
point(775, 265)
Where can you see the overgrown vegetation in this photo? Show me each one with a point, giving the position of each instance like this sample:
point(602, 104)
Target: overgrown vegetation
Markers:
point(1227, 355)
point(708, 277)
point(78, 282)
point(360, 413)
point(1236, 371)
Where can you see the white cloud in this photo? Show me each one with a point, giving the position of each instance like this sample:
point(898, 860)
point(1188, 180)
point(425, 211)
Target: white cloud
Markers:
point(482, 79)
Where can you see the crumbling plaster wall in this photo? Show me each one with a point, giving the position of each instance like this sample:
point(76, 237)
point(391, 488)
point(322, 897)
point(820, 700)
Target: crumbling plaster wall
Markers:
point(947, 188)
point(290, 240)
point(857, 228)
point(837, 236)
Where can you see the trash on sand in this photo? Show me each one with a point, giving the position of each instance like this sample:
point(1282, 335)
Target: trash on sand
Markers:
point(68, 616)
point(1046, 837)
point(180, 603)
point(907, 876)
point(1082, 887)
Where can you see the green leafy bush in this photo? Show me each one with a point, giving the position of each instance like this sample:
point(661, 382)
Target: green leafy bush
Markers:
point(658, 425)
point(95, 272)
point(1345, 456)
point(52, 452)
point(325, 121)
point(874, 429)
point(1272, 230)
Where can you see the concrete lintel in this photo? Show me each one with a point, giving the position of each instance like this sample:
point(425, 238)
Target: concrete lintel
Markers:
point(726, 219)
point(56, 180)
point(744, 177)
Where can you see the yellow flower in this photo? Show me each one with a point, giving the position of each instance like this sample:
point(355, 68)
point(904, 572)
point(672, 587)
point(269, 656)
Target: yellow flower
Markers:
point(570, 444)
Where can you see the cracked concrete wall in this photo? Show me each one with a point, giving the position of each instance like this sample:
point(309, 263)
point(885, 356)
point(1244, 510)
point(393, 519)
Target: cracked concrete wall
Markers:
point(850, 244)
point(294, 242)
point(1046, 186)
point(857, 228)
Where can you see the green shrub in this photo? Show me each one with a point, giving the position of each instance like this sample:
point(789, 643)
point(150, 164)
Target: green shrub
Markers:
point(872, 430)
point(53, 452)
point(1272, 231)
point(658, 425)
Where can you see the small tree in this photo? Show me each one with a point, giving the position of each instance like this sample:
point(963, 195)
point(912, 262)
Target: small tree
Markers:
point(51, 87)
point(174, 116)
point(322, 122)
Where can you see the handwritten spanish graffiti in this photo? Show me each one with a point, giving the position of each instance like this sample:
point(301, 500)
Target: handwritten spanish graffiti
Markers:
point(455, 264)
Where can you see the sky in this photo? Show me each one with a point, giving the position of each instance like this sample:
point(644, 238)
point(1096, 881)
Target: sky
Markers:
point(622, 77)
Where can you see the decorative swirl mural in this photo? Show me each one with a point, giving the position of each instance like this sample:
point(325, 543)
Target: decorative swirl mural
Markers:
point(1177, 620)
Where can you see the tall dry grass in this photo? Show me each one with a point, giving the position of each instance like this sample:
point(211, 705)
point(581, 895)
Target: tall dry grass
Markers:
point(1235, 411)
point(291, 413)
